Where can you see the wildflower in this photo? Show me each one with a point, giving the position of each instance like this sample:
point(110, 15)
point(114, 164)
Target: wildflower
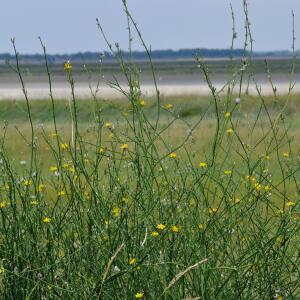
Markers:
point(175, 228)
point(71, 169)
point(237, 200)
point(61, 193)
point(229, 130)
point(53, 169)
point(285, 154)
point(86, 161)
point(34, 203)
point(258, 186)
point(142, 102)
point(3, 204)
point(161, 226)
point(132, 261)
point(124, 146)
point(290, 204)
point(116, 269)
point(237, 101)
point(139, 295)
point(47, 220)
point(202, 164)
point(65, 165)
point(108, 125)
point(212, 210)
point(27, 182)
point(41, 187)
point(2, 270)
point(173, 155)
point(101, 150)
point(228, 172)
point(116, 212)
point(267, 188)
point(200, 226)
point(111, 136)
point(155, 234)
point(267, 157)
point(64, 146)
point(169, 106)
point(279, 239)
point(67, 66)
point(227, 114)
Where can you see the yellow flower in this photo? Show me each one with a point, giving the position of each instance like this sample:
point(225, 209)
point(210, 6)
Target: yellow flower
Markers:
point(142, 102)
point(53, 169)
point(258, 186)
point(161, 226)
point(47, 220)
point(237, 200)
point(285, 154)
point(101, 150)
point(202, 165)
point(267, 188)
point(229, 130)
point(86, 161)
point(116, 212)
point(267, 157)
point(200, 226)
point(227, 114)
point(175, 228)
point(212, 210)
point(172, 155)
point(61, 193)
point(169, 106)
point(27, 182)
point(139, 295)
point(155, 234)
point(124, 146)
point(279, 239)
point(2, 270)
point(65, 165)
point(108, 125)
point(132, 261)
point(71, 169)
point(228, 172)
point(67, 66)
point(34, 203)
point(41, 187)
point(64, 146)
point(111, 136)
point(290, 204)
point(3, 204)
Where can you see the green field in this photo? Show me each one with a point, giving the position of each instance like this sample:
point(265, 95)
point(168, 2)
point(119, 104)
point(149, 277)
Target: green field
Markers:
point(187, 198)
point(116, 205)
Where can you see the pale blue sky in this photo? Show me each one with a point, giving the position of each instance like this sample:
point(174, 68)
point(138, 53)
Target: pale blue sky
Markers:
point(69, 26)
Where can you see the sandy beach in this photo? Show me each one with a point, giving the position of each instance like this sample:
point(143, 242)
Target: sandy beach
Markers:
point(40, 90)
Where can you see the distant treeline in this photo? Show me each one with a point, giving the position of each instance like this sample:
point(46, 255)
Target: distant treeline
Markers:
point(183, 54)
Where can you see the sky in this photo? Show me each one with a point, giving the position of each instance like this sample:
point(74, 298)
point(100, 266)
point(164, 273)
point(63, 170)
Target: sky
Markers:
point(69, 26)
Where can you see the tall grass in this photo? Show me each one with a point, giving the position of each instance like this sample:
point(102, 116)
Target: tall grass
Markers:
point(147, 200)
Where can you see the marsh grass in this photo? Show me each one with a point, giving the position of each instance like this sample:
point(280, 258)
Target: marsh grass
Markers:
point(150, 198)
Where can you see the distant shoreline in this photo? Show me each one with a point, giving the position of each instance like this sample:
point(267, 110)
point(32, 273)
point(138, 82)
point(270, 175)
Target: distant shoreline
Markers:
point(62, 90)
point(141, 56)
